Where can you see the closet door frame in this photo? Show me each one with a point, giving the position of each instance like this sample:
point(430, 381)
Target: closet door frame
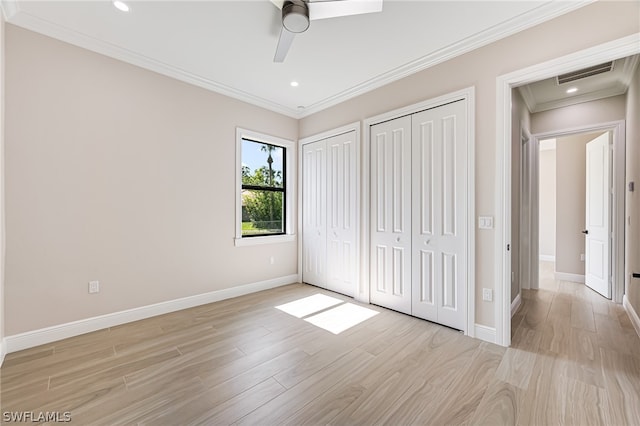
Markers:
point(467, 94)
point(359, 249)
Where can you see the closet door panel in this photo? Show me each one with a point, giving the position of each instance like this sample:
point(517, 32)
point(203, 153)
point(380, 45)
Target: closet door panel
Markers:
point(440, 135)
point(390, 251)
point(314, 212)
point(425, 202)
point(452, 308)
point(342, 259)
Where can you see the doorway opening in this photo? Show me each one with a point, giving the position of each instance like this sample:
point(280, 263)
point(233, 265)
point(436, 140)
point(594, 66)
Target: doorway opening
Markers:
point(621, 48)
point(553, 245)
point(587, 209)
point(573, 208)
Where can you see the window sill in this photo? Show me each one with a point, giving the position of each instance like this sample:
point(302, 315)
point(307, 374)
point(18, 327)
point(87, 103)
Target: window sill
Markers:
point(270, 239)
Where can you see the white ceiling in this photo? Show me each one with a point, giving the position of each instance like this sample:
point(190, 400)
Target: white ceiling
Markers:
point(228, 46)
point(548, 94)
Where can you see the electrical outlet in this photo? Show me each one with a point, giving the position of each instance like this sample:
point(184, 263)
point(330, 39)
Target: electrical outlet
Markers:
point(272, 260)
point(582, 257)
point(487, 294)
point(94, 287)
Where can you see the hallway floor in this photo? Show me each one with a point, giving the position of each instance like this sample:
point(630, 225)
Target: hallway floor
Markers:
point(579, 356)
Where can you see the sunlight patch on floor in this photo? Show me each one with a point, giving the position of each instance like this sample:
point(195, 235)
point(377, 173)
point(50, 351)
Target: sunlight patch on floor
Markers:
point(323, 311)
point(309, 305)
point(341, 318)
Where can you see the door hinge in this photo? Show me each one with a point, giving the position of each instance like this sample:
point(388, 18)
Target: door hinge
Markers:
point(508, 247)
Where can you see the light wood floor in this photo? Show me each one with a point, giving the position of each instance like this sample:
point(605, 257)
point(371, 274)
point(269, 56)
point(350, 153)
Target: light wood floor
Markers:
point(575, 360)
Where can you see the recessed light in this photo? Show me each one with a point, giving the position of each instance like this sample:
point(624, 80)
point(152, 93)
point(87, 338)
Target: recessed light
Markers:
point(294, 84)
point(572, 90)
point(120, 5)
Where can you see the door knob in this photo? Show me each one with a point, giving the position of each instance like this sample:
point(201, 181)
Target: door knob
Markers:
point(586, 231)
point(397, 239)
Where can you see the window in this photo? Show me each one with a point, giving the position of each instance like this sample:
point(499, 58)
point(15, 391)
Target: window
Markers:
point(264, 188)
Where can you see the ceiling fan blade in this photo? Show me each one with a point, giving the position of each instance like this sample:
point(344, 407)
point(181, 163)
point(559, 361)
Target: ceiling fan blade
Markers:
point(333, 9)
point(278, 3)
point(284, 43)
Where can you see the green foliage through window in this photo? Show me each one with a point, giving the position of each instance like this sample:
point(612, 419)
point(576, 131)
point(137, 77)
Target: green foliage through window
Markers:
point(263, 188)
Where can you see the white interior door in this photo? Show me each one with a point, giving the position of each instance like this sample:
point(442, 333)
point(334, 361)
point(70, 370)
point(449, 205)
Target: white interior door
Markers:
point(598, 222)
point(314, 212)
point(390, 250)
point(439, 219)
point(342, 260)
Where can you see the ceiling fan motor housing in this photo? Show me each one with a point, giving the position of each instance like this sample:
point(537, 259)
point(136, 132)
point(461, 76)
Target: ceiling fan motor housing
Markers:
point(295, 16)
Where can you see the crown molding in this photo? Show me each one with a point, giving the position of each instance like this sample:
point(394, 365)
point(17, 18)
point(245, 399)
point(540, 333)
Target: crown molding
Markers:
point(618, 89)
point(620, 86)
point(526, 20)
point(59, 32)
point(628, 69)
point(522, 22)
point(528, 97)
point(9, 8)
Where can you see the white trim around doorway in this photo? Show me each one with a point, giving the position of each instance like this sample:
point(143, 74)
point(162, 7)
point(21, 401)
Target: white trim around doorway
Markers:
point(615, 49)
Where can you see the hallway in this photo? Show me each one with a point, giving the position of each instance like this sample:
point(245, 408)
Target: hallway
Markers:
point(579, 355)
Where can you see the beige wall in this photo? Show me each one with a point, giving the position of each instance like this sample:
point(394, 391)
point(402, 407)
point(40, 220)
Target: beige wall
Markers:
point(115, 173)
point(632, 229)
point(118, 174)
point(547, 202)
point(570, 201)
point(520, 120)
point(579, 115)
point(480, 68)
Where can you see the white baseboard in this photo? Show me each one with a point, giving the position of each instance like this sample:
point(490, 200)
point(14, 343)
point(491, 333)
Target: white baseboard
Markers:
point(547, 258)
point(633, 315)
point(488, 334)
point(3, 350)
point(516, 304)
point(42, 336)
point(564, 276)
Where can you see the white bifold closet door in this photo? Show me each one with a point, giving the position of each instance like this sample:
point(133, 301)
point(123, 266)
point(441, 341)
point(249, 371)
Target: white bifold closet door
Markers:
point(314, 213)
point(329, 213)
point(419, 214)
point(390, 274)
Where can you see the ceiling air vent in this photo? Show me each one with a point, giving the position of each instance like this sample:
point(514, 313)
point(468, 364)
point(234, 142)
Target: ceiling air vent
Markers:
point(585, 72)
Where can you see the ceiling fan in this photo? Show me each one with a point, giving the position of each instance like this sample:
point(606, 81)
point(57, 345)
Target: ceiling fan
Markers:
point(296, 15)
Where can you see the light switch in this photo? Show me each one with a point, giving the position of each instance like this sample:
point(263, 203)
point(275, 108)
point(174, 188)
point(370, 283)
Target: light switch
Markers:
point(487, 294)
point(485, 222)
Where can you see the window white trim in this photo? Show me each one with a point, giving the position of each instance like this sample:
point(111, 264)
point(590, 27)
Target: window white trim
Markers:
point(267, 239)
point(290, 192)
